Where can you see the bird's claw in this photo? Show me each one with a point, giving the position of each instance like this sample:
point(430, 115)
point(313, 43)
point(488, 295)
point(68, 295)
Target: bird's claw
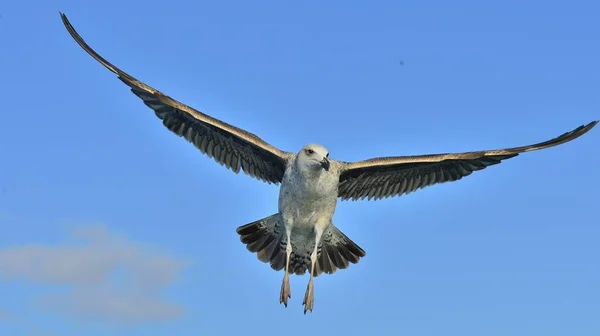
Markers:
point(286, 292)
point(309, 298)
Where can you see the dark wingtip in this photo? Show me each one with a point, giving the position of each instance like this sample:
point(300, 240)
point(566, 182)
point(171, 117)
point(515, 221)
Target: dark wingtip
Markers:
point(81, 42)
point(576, 133)
point(64, 19)
point(581, 130)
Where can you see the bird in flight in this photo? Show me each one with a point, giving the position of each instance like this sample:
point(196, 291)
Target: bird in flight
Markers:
point(301, 236)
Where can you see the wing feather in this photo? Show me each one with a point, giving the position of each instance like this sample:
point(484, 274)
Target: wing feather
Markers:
point(228, 145)
point(393, 176)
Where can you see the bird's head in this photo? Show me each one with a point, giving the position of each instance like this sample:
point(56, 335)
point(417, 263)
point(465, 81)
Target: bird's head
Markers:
point(314, 156)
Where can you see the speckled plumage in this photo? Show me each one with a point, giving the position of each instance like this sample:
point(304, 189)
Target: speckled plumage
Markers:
point(301, 237)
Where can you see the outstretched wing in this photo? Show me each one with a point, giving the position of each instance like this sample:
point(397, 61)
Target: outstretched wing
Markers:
point(226, 144)
point(393, 176)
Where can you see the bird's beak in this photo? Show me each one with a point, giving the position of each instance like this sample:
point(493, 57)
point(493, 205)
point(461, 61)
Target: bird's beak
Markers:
point(325, 164)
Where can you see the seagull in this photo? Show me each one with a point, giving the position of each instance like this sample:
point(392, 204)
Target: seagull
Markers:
point(301, 236)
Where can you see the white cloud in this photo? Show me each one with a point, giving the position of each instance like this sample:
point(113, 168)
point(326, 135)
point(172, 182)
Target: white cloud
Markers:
point(108, 277)
point(111, 306)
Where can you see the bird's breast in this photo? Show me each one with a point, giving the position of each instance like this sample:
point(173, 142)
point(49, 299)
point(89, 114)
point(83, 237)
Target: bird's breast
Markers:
point(307, 199)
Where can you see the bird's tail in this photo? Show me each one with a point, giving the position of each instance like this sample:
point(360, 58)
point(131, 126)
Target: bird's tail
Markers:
point(264, 237)
point(336, 251)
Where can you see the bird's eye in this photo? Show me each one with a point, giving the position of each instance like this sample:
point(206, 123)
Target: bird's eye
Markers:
point(310, 151)
point(327, 155)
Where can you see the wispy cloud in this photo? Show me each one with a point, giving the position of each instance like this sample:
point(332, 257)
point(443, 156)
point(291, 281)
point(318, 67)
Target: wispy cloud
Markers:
point(108, 276)
point(112, 306)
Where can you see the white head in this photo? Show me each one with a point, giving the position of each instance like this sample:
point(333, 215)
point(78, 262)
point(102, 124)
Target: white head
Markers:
point(314, 156)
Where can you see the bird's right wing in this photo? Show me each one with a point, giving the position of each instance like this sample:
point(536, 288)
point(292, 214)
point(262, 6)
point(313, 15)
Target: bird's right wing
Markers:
point(228, 145)
point(393, 176)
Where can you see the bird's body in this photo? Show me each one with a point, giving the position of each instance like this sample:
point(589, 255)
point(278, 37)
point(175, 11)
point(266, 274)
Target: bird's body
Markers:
point(307, 195)
point(307, 201)
point(301, 236)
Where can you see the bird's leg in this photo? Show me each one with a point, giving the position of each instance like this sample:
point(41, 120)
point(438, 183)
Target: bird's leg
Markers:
point(309, 297)
point(286, 292)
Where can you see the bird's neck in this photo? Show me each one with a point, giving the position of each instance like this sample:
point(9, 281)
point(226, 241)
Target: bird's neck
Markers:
point(307, 171)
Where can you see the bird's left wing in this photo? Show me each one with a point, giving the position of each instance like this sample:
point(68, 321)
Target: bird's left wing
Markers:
point(393, 176)
point(228, 145)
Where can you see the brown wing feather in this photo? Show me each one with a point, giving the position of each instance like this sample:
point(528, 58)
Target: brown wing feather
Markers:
point(393, 176)
point(226, 144)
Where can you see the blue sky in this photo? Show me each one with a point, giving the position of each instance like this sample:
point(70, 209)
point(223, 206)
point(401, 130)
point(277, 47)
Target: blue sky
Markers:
point(112, 225)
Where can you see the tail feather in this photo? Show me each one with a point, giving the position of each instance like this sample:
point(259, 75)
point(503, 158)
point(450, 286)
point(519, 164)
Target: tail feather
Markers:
point(336, 251)
point(263, 237)
point(278, 260)
point(268, 252)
